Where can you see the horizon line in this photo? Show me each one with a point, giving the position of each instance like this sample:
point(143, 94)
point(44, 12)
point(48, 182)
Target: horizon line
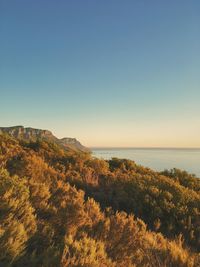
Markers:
point(138, 147)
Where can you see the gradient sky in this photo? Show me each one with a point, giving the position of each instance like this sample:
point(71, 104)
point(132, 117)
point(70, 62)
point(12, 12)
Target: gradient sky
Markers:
point(108, 72)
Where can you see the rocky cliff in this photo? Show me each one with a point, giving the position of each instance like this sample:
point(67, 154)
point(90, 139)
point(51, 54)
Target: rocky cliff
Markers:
point(31, 134)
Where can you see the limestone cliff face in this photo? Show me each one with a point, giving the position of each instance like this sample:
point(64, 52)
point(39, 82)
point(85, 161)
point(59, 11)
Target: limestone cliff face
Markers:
point(20, 132)
point(31, 134)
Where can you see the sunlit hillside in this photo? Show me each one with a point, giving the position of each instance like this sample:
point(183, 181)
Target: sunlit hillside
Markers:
point(64, 208)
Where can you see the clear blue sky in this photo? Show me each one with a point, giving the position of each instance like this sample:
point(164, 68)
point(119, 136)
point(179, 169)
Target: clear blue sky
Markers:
point(109, 72)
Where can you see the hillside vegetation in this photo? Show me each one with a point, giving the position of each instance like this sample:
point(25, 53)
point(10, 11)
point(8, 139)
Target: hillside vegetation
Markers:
point(64, 208)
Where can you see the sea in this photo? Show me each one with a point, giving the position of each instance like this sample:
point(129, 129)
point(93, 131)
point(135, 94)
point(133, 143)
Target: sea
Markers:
point(158, 159)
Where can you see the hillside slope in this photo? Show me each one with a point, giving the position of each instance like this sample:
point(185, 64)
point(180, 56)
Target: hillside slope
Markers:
point(31, 134)
point(62, 208)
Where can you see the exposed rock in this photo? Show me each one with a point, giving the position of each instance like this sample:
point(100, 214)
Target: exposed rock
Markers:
point(31, 134)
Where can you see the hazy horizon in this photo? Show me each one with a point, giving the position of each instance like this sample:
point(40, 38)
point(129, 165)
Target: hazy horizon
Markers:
point(140, 147)
point(110, 74)
point(155, 158)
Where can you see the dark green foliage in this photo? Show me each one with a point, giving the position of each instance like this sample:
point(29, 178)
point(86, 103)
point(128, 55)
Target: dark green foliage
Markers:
point(183, 178)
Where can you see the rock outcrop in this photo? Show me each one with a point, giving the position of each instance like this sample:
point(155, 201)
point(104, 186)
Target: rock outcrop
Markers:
point(31, 134)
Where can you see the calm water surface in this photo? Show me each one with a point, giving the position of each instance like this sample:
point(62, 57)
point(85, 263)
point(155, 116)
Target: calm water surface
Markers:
point(156, 158)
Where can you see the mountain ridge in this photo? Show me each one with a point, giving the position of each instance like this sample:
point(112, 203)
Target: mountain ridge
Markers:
point(33, 134)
